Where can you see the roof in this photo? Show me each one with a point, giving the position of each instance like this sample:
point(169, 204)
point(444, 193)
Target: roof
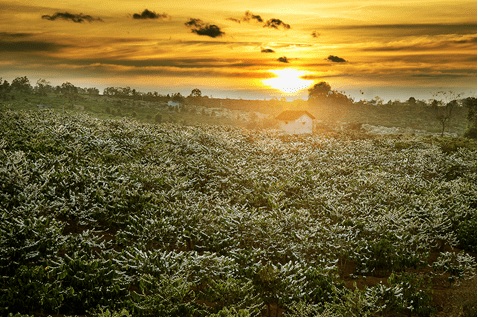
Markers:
point(293, 115)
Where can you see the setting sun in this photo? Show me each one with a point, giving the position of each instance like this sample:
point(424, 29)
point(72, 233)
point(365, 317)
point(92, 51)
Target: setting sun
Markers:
point(288, 81)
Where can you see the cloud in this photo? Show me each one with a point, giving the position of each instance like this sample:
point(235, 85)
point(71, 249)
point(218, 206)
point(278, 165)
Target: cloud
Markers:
point(276, 23)
point(200, 28)
point(234, 19)
point(265, 50)
point(77, 18)
point(336, 59)
point(14, 35)
point(427, 43)
point(248, 16)
point(146, 14)
point(30, 46)
point(283, 59)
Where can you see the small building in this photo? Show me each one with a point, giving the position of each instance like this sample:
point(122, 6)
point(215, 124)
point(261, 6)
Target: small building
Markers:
point(296, 121)
point(40, 106)
point(174, 104)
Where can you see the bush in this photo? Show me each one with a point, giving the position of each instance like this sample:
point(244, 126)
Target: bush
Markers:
point(158, 118)
point(470, 132)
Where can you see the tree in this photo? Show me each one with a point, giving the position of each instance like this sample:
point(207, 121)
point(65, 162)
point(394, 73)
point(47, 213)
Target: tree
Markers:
point(68, 88)
point(43, 86)
point(319, 91)
point(196, 93)
point(22, 84)
point(5, 87)
point(470, 104)
point(93, 91)
point(178, 98)
point(443, 113)
point(443, 109)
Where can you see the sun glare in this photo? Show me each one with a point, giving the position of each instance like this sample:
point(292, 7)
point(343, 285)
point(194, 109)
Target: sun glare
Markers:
point(288, 81)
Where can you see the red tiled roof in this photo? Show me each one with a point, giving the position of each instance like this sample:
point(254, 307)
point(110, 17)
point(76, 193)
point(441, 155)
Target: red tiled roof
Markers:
point(293, 115)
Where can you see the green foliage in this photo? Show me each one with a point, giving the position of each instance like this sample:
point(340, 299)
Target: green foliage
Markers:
point(115, 217)
point(232, 297)
point(166, 297)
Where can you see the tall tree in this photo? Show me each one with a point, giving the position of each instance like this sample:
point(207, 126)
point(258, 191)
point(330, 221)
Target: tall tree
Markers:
point(22, 84)
point(443, 109)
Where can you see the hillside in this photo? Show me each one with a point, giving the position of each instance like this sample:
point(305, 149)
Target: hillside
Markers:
point(413, 118)
point(115, 216)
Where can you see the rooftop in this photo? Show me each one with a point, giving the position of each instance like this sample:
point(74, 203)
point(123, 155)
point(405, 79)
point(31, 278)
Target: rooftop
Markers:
point(293, 115)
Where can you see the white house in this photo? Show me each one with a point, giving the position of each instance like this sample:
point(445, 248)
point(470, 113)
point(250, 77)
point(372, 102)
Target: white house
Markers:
point(174, 104)
point(296, 121)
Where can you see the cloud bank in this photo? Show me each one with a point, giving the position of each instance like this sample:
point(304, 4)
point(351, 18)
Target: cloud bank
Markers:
point(77, 18)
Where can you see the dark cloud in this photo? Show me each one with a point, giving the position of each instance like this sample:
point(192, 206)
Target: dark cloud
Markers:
point(200, 28)
point(315, 34)
point(13, 35)
point(336, 59)
point(283, 59)
point(29, 46)
point(146, 15)
point(248, 16)
point(234, 19)
point(276, 23)
point(77, 18)
point(264, 50)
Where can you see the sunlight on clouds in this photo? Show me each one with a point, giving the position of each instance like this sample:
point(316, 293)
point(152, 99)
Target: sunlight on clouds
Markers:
point(288, 81)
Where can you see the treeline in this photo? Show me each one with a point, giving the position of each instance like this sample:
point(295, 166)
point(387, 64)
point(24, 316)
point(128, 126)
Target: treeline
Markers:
point(43, 87)
point(445, 110)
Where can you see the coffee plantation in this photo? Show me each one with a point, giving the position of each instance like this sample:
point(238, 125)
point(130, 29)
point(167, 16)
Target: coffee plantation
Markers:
point(117, 217)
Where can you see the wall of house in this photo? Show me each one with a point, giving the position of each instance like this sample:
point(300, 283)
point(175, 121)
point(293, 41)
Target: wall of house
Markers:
point(302, 125)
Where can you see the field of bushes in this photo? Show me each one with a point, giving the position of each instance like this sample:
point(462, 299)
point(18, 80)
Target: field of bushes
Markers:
point(116, 217)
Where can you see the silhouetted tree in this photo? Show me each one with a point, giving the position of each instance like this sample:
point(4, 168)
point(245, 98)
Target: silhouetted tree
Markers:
point(178, 98)
point(93, 91)
point(5, 87)
point(443, 113)
point(196, 93)
point(319, 91)
point(68, 88)
point(43, 86)
point(443, 109)
point(22, 84)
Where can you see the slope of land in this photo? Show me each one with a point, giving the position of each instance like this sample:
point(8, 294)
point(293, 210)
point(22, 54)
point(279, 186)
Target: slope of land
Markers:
point(104, 217)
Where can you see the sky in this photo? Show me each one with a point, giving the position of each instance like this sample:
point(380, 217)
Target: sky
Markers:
point(245, 49)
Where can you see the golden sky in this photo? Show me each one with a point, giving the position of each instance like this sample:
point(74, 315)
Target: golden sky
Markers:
point(248, 49)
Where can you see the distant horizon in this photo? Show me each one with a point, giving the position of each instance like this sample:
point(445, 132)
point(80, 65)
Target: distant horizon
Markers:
point(245, 49)
point(386, 94)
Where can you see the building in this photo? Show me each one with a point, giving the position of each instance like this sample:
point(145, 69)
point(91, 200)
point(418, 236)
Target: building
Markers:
point(296, 121)
point(174, 104)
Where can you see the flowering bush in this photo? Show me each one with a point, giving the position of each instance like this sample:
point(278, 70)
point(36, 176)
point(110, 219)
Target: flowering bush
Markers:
point(172, 220)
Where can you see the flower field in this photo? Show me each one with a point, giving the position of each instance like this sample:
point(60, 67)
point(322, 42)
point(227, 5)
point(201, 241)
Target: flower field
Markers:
point(103, 217)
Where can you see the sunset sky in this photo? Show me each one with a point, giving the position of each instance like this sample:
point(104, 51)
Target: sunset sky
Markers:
point(244, 49)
